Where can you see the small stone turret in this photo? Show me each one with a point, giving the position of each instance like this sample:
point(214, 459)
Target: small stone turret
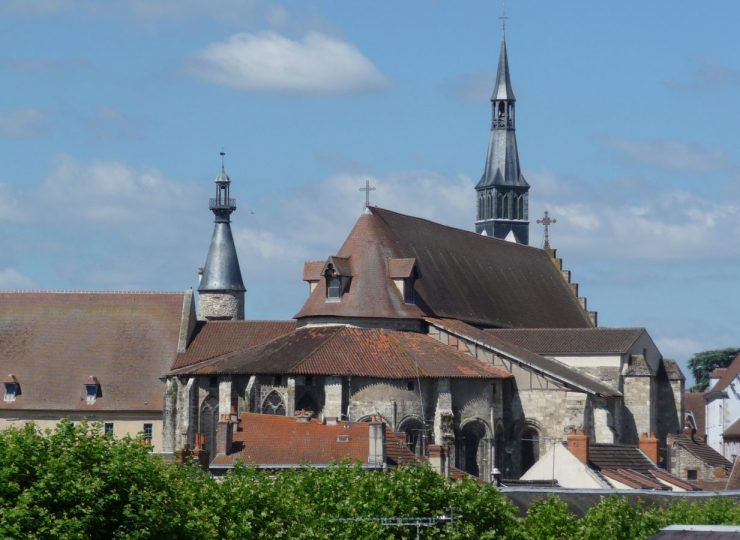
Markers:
point(221, 289)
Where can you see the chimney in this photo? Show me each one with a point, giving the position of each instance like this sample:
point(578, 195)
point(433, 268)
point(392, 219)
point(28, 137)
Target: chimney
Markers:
point(376, 441)
point(438, 459)
point(224, 435)
point(578, 445)
point(650, 447)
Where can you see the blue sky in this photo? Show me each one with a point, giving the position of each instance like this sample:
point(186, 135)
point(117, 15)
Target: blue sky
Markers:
point(113, 114)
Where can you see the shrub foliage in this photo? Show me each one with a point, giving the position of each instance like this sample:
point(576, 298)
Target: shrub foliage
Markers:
point(74, 482)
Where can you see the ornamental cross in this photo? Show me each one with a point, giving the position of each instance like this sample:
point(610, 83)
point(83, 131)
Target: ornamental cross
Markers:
point(546, 221)
point(367, 189)
point(503, 18)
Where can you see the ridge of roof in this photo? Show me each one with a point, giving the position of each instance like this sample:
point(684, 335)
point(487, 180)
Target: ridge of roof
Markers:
point(572, 340)
point(731, 371)
point(547, 366)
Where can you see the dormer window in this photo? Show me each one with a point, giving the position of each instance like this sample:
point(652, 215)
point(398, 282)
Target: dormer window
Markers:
point(403, 272)
point(338, 275)
point(333, 289)
point(92, 390)
point(12, 389)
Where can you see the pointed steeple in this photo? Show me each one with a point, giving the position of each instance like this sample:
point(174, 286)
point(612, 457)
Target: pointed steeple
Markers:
point(221, 288)
point(503, 197)
point(503, 90)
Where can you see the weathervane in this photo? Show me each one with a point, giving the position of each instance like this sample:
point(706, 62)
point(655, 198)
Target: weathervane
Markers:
point(547, 221)
point(222, 154)
point(367, 189)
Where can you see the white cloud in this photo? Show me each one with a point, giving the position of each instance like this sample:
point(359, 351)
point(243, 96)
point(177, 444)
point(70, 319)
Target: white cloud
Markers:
point(12, 280)
point(671, 155)
point(268, 62)
point(22, 124)
point(473, 87)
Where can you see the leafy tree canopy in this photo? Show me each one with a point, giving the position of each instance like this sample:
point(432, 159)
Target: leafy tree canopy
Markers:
point(703, 363)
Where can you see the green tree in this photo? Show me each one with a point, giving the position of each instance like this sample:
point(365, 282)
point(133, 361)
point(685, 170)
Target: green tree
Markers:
point(703, 363)
point(550, 519)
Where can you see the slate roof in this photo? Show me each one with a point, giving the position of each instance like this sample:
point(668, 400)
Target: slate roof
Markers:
point(729, 375)
point(547, 366)
point(572, 340)
point(52, 342)
point(700, 449)
point(462, 275)
point(618, 456)
point(361, 352)
point(216, 338)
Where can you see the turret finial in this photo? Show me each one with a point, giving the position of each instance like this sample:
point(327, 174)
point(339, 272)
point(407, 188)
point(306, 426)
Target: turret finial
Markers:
point(503, 18)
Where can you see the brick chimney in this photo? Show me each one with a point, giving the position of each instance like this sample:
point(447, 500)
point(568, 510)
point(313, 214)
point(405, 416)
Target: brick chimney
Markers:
point(438, 459)
point(376, 441)
point(224, 435)
point(650, 447)
point(578, 445)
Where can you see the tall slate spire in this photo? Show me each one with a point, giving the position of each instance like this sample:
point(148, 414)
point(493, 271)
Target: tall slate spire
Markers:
point(503, 193)
point(221, 289)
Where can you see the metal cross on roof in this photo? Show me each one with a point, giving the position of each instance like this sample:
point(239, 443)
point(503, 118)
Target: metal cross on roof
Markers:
point(503, 18)
point(367, 189)
point(547, 221)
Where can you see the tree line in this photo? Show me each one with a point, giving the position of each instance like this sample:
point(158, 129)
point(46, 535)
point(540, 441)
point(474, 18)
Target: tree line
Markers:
point(76, 483)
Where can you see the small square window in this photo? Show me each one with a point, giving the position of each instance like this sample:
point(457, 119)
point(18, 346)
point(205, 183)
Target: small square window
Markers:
point(691, 474)
point(148, 429)
point(108, 428)
point(12, 389)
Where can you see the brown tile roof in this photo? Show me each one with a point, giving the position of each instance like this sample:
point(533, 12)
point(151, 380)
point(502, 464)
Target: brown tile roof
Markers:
point(462, 275)
point(361, 352)
point(700, 450)
point(312, 270)
point(53, 342)
point(618, 456)
point(572, 340)
point(633, 479)
point(661, 474)
point(729, 375)
point(401, 268)
point(281, 440)
point(216, 338)
point(547, 366)
point(694, 403)
point(734, 430)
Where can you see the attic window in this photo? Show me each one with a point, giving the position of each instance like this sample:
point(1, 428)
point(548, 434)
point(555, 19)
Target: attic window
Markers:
point(408, 291)
point(92, 390)
point(333, 289)
point(12, 389)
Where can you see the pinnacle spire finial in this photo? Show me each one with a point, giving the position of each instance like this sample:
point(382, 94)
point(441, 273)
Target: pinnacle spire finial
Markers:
point(222, 154)
point(503, 18)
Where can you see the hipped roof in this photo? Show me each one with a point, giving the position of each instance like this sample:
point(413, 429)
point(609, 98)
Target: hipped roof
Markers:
point(342, 351)
point(53, 342)
point(462, 275)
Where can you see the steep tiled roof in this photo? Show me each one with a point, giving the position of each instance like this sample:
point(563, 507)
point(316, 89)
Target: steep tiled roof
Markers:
point(572, 340)
point(729, 375)
point(462, 275)
point(694, 403)
point(618, 456)
point(361, 352)
point(312, 270)
point(216, 338)
point(700, 450)
point(633, 479)
point(53, 342)
point(547, 366)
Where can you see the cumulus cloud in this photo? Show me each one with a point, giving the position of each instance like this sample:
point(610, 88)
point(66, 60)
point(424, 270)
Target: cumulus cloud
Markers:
point(671, 155)
point(471, 87)
point(269, 62)
point(22, 124)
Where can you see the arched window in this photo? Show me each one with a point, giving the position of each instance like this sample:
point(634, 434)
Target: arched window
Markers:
point(480, 206)
point(499, 205)
point(501, 109)
point(530, 448)
point(520, 204)
point(471, 449)
point(273, 404)
point(505, 204)
point(416, 435)
point(207, 423)
point(489, 204)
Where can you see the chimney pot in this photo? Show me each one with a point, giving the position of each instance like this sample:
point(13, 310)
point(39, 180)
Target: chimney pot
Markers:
point(578, 445)
point(650, 446)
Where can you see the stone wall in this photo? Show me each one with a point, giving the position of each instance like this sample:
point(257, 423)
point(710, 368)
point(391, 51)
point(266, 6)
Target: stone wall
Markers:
point(639, 408)
point(680, 461)
point(221, 305)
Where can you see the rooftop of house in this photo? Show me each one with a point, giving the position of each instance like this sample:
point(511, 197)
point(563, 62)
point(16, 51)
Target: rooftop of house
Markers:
point(215, 338)
point(572, 340)
point(461, 275)
point(727, 375)
point(54, 342)
point(547, 366)
point(694, 404)
point(699, 449)
point(360, 352)
point(274, 441)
